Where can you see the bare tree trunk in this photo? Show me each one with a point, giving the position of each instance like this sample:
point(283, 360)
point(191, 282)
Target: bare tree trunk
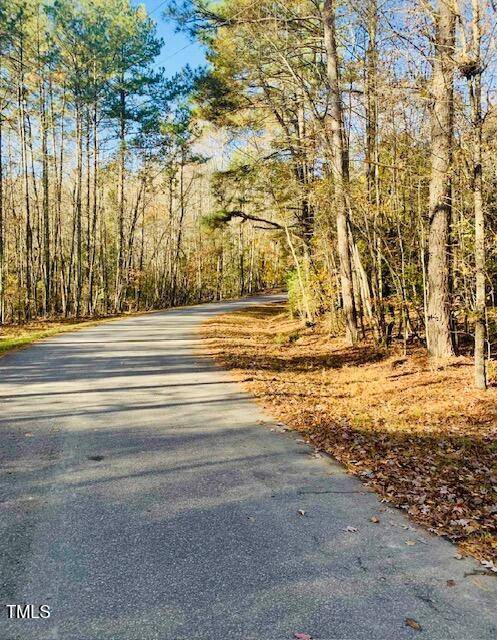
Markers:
point(440, 203)
point(2, 232)
point(339, 157)
point(475, 82)
point(372, 162)
point(58, 265)
point(46, 201)
point(177, 251)
point(24, 163)
point(93, 230)
point(371, 61)
point(78, 222)
point(122, 160)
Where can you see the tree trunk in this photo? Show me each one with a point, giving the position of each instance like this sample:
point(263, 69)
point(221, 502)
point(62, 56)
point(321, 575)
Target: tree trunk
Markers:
point(24, 164)
point(372, 163)
point(339, 157)
point(478, 206)
point(2, 236)
point(46, 201)
point(93, 229)
point(175, 266)
point(122, 160)
point(440, 201)
point(78, 221)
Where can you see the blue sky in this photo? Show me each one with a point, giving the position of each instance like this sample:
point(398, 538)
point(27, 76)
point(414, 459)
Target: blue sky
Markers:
point(178, 49)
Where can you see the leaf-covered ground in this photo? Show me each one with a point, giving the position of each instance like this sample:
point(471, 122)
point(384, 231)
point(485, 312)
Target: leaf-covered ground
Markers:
point(420, 436)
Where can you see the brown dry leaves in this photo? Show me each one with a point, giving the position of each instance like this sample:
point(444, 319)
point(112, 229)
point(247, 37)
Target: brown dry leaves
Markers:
point(420, 436)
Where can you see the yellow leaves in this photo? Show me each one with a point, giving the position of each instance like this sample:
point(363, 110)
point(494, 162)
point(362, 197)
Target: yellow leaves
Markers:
point(410, 622)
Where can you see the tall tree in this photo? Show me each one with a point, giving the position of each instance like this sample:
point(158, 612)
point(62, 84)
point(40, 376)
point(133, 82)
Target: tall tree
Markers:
point(471, 67)
point(136, 45)
point(340, 166)
point(440, 203)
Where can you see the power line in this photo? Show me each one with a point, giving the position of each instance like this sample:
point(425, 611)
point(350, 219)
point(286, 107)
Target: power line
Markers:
point(161, 4)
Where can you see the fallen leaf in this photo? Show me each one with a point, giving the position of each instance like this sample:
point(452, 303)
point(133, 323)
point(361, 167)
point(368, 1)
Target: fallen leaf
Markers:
point(426, 471)
point(451, 583)
point(410, 622)
point(489, 565)
point(410, 543)
point(375, 519)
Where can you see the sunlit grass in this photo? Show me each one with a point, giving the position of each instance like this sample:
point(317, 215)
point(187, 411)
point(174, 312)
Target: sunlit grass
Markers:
point(7, 343)
point(14, 337)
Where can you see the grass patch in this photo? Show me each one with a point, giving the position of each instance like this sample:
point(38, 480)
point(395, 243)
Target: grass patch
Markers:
point(14, 337)
point(7, 344)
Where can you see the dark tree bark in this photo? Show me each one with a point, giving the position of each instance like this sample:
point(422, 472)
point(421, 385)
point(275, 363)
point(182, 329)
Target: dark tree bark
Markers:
point(47, 269)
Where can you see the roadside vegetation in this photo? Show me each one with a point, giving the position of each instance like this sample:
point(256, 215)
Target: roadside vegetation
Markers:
point(18, 336)
point(366, 145)
point(421, 436)
point(345, 148)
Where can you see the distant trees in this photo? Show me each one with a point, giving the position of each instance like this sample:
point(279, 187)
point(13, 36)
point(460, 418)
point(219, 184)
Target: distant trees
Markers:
point(101, 189)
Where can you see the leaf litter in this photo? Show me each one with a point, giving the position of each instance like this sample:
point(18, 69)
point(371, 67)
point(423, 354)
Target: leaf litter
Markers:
point(420, 436)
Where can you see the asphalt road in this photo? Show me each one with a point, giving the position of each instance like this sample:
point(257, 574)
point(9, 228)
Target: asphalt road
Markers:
point(143, 499)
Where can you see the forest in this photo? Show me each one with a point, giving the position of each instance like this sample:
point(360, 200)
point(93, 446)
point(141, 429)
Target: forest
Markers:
point(343, 150)
point(267, 230)
point(102, 188)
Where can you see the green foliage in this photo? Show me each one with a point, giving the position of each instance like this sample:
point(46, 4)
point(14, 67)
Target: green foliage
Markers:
point(303, 298)
point(216, 220)
point(294, 293)
point(216, 99)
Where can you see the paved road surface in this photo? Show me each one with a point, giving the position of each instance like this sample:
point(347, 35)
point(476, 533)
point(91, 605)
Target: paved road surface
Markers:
point(142, 499)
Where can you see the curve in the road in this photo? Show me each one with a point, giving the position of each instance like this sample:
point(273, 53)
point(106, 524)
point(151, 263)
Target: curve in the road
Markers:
point(142, 499)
